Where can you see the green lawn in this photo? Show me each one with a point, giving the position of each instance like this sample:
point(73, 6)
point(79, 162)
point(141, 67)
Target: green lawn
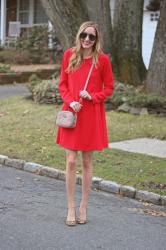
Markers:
point(27, 132)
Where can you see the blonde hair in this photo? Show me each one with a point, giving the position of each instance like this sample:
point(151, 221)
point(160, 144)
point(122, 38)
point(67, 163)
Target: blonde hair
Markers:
point(77, 55)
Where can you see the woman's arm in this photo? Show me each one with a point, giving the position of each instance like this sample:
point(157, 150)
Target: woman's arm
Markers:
point(107, 78)
point(63, 83)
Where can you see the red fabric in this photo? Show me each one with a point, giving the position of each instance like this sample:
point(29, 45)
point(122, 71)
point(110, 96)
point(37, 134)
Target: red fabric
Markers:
point(90, 133)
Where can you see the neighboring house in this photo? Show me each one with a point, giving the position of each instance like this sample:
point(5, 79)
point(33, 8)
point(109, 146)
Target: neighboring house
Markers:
point(150, 20)
point(27, 12)
point(30, 13)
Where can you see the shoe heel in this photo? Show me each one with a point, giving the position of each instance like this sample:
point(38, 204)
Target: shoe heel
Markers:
point(71, 222)
point(82, 221)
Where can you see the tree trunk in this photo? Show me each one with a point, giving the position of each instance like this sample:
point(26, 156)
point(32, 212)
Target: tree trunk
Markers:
point(66, 17)
point(127, 41)
point(156, 78)
point(99, 12)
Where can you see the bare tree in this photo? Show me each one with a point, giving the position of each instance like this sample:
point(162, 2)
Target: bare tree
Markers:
point(156, 78)
point(127, 43)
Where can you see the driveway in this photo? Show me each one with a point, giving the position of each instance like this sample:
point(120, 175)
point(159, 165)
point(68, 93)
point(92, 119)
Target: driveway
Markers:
point(33, 211)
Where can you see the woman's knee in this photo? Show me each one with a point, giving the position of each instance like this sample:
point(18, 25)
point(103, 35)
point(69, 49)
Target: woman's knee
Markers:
point(87, 160)
point(87, 164)
point(71, 163)
point(71, 159)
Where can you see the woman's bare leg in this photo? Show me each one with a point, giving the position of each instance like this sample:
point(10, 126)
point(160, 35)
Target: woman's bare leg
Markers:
point(87, 169)
point(70, 182)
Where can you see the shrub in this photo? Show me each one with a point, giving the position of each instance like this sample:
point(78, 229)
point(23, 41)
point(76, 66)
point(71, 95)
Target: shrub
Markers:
point(47, 92)
point(33, 81)
point(15, 57)
point(32, 48)
point(134, 97)
point(144, 100)
point(4, 68)
point(33, 38)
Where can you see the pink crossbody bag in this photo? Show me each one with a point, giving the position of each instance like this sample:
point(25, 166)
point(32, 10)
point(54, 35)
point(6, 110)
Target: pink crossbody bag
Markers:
point(68, 119)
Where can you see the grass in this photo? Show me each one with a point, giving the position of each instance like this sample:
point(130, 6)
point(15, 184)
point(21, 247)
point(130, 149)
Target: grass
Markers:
point(27, 132)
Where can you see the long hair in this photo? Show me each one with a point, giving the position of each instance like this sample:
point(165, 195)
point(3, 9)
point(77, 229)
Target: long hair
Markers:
point(77, 55)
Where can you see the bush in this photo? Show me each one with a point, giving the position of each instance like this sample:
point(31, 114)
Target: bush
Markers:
point(4, 68)
point(32, 48)
point(134, 97)
point(33, 38)
point(143, 100)
point(47, 92)
point(33, 81)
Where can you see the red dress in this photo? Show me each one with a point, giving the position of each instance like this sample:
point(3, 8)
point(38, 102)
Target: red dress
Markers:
point(90, 133)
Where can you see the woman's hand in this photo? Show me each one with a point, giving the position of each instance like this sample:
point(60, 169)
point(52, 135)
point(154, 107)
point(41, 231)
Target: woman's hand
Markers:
point(76, 106)
point(85, 95)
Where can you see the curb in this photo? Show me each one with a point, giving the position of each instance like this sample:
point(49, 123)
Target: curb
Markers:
point(97, 183)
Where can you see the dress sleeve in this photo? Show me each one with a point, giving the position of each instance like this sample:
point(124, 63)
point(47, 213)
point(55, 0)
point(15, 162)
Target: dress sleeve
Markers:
point(63, 83)
point(108, 82)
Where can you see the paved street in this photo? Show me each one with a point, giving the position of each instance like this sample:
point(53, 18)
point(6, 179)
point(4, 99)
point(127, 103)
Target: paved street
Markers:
point(33, 210)
point(10, 90)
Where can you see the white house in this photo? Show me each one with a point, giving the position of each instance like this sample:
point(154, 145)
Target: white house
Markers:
point(150, 20)
point(30, 12)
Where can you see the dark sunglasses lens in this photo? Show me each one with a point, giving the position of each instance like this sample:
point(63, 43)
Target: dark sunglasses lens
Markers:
point(83, 35)
point(92, 37)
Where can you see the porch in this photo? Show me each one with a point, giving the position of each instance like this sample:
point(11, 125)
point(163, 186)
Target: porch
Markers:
point(24, 13)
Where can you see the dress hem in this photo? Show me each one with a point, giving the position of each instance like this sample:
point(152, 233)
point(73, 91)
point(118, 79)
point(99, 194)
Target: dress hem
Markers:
point(83, 150)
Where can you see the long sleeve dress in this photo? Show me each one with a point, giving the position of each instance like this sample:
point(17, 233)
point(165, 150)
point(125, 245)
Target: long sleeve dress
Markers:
point(90, 133)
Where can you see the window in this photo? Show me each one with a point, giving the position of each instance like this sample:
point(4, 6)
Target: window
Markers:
point(24, 11)
point(154, 16)
point(31, 12)
point(39, 13)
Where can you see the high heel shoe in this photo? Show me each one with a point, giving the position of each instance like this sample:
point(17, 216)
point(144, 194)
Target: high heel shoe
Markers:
point(82, 221)
point(71, 222)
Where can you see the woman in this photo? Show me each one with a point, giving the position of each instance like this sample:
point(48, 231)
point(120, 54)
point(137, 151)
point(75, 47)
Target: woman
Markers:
point(90, 133)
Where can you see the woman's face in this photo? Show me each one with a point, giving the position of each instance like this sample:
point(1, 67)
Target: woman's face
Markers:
point(88, 38)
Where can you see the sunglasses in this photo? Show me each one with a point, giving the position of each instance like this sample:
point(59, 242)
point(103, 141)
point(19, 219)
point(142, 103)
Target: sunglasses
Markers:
point(91, 37)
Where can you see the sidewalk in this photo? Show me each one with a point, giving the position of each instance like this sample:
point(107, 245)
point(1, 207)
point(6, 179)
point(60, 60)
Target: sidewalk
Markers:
point(146, 146)
point(32, 67)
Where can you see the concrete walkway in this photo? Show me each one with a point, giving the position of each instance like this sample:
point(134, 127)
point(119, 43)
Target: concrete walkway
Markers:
point(146, 146)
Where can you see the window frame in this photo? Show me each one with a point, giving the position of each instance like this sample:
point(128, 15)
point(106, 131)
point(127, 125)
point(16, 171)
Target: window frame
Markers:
point(30, 15)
